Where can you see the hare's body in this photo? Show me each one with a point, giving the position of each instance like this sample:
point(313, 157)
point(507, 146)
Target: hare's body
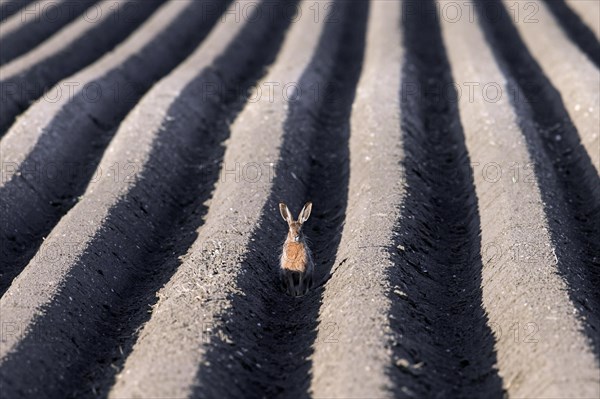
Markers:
point(297, 266)
point(295, 257)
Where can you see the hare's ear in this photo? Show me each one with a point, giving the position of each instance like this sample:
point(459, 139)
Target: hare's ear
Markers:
point(285, 212)
point(305, 212)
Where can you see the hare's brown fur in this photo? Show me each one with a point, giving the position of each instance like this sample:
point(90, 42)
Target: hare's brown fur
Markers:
point(295, 258)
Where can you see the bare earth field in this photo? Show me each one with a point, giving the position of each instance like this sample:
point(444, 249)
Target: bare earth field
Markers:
point(451, 151)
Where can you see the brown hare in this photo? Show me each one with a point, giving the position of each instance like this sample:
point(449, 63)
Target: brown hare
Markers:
point(297, 265)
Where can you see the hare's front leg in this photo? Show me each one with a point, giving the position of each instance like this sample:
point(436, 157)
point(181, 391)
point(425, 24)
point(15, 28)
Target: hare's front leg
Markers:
point(309, 281)
point(305, 284)
point(285, 280)
point(298, 283)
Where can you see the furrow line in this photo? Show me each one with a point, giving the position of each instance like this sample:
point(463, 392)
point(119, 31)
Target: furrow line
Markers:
point(11, 7)
point(450, 342)
point(100, 287)
point(589, 12)
point(223, 334)
point(276, 344)
point(51, 153)
point(540, 346)
point(571, 72)
point(574, 27)
point(355, 336)
point(568, 182)
point(78, 44)
point(36, 22)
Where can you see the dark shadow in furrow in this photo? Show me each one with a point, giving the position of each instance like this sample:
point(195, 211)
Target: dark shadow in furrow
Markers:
point(10, 8)
point(42, 22)
point(271, 335)
point(568, 182)
point(138, 249)
point(61, 165)
point(576, 29)
point(19, 91)
point(440, 322)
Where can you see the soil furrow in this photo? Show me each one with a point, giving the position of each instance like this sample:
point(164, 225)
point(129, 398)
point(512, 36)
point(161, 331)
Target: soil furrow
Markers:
point(9, 8)
point(576, 29)
point(278, 340)
point(589, 12)
point(438, 243)
point(451, 153)
point(194, 304)
point(51, 153)
point(569, 183)
point(147, 213)
point(36, 22)
point(27, 78)
point(575, 77)
point(525, 298)
point(354, 338)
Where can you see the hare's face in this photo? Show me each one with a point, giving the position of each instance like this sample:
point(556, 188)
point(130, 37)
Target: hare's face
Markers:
point(295, 232)
point(295, 226)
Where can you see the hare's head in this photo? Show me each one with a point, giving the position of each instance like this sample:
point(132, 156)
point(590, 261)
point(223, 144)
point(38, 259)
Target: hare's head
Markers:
point(295, 226)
